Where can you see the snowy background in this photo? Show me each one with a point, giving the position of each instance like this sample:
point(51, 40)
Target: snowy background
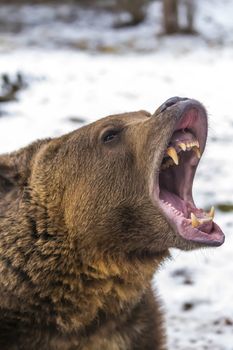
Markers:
point(78, 69)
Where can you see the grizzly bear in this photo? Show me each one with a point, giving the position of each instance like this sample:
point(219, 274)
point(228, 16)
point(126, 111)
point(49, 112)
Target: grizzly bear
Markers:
point(85, 221)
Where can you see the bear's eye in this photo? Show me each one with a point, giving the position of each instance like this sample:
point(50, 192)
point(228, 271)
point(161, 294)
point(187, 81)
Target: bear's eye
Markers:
point(110, 135)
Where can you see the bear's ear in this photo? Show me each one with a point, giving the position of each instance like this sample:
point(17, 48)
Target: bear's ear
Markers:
point(15, 168)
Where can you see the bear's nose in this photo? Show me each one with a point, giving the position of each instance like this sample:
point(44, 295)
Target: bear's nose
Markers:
point(170, 102)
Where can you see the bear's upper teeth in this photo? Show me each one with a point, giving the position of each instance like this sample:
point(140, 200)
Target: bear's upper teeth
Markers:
point(182, 145)
point(171, 151)
point(177, 147)
point(197, 151)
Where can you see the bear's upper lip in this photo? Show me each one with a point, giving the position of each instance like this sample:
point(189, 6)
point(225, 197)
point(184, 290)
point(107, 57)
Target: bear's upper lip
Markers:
point(172, 188)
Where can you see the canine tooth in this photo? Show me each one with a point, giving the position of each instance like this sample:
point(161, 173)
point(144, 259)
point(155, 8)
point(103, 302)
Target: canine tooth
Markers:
point(172, 153)
point(194, 220)
point(197, 151)
point(167, 164)
point(197, 222)
point(211, 213)
point(182, 145)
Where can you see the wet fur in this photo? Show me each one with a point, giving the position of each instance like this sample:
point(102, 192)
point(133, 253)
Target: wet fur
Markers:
point(80, 239)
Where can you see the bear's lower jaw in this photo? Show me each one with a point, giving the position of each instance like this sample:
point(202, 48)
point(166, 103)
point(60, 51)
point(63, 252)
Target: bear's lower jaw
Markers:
point(172, 190)
point(198, 228)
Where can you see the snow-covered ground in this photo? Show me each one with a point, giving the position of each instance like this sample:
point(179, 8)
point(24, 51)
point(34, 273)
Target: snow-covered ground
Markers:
point(66, 85)
point(93, 31)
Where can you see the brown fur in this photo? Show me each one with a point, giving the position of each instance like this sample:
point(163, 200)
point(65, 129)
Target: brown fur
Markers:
point(80, 238)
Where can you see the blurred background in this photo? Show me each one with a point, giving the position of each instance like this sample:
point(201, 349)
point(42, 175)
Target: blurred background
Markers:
point(66, 63)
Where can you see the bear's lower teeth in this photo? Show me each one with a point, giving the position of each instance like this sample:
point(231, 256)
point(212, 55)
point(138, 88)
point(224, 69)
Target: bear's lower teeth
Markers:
point(200, 221)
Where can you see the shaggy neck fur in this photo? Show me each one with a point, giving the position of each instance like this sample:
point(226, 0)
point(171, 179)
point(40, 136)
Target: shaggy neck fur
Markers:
point(48, 282)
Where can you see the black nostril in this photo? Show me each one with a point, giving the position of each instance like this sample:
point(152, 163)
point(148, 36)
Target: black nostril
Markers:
point(170, 102)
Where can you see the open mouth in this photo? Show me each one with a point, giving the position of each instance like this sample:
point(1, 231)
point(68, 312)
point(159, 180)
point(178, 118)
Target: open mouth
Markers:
point(177, 170)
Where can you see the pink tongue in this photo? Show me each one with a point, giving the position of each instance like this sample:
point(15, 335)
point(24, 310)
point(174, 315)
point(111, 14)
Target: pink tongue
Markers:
point(207, 227)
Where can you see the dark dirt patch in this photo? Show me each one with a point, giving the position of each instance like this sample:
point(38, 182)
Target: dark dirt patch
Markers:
point(226, 208)
point(187, 306)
